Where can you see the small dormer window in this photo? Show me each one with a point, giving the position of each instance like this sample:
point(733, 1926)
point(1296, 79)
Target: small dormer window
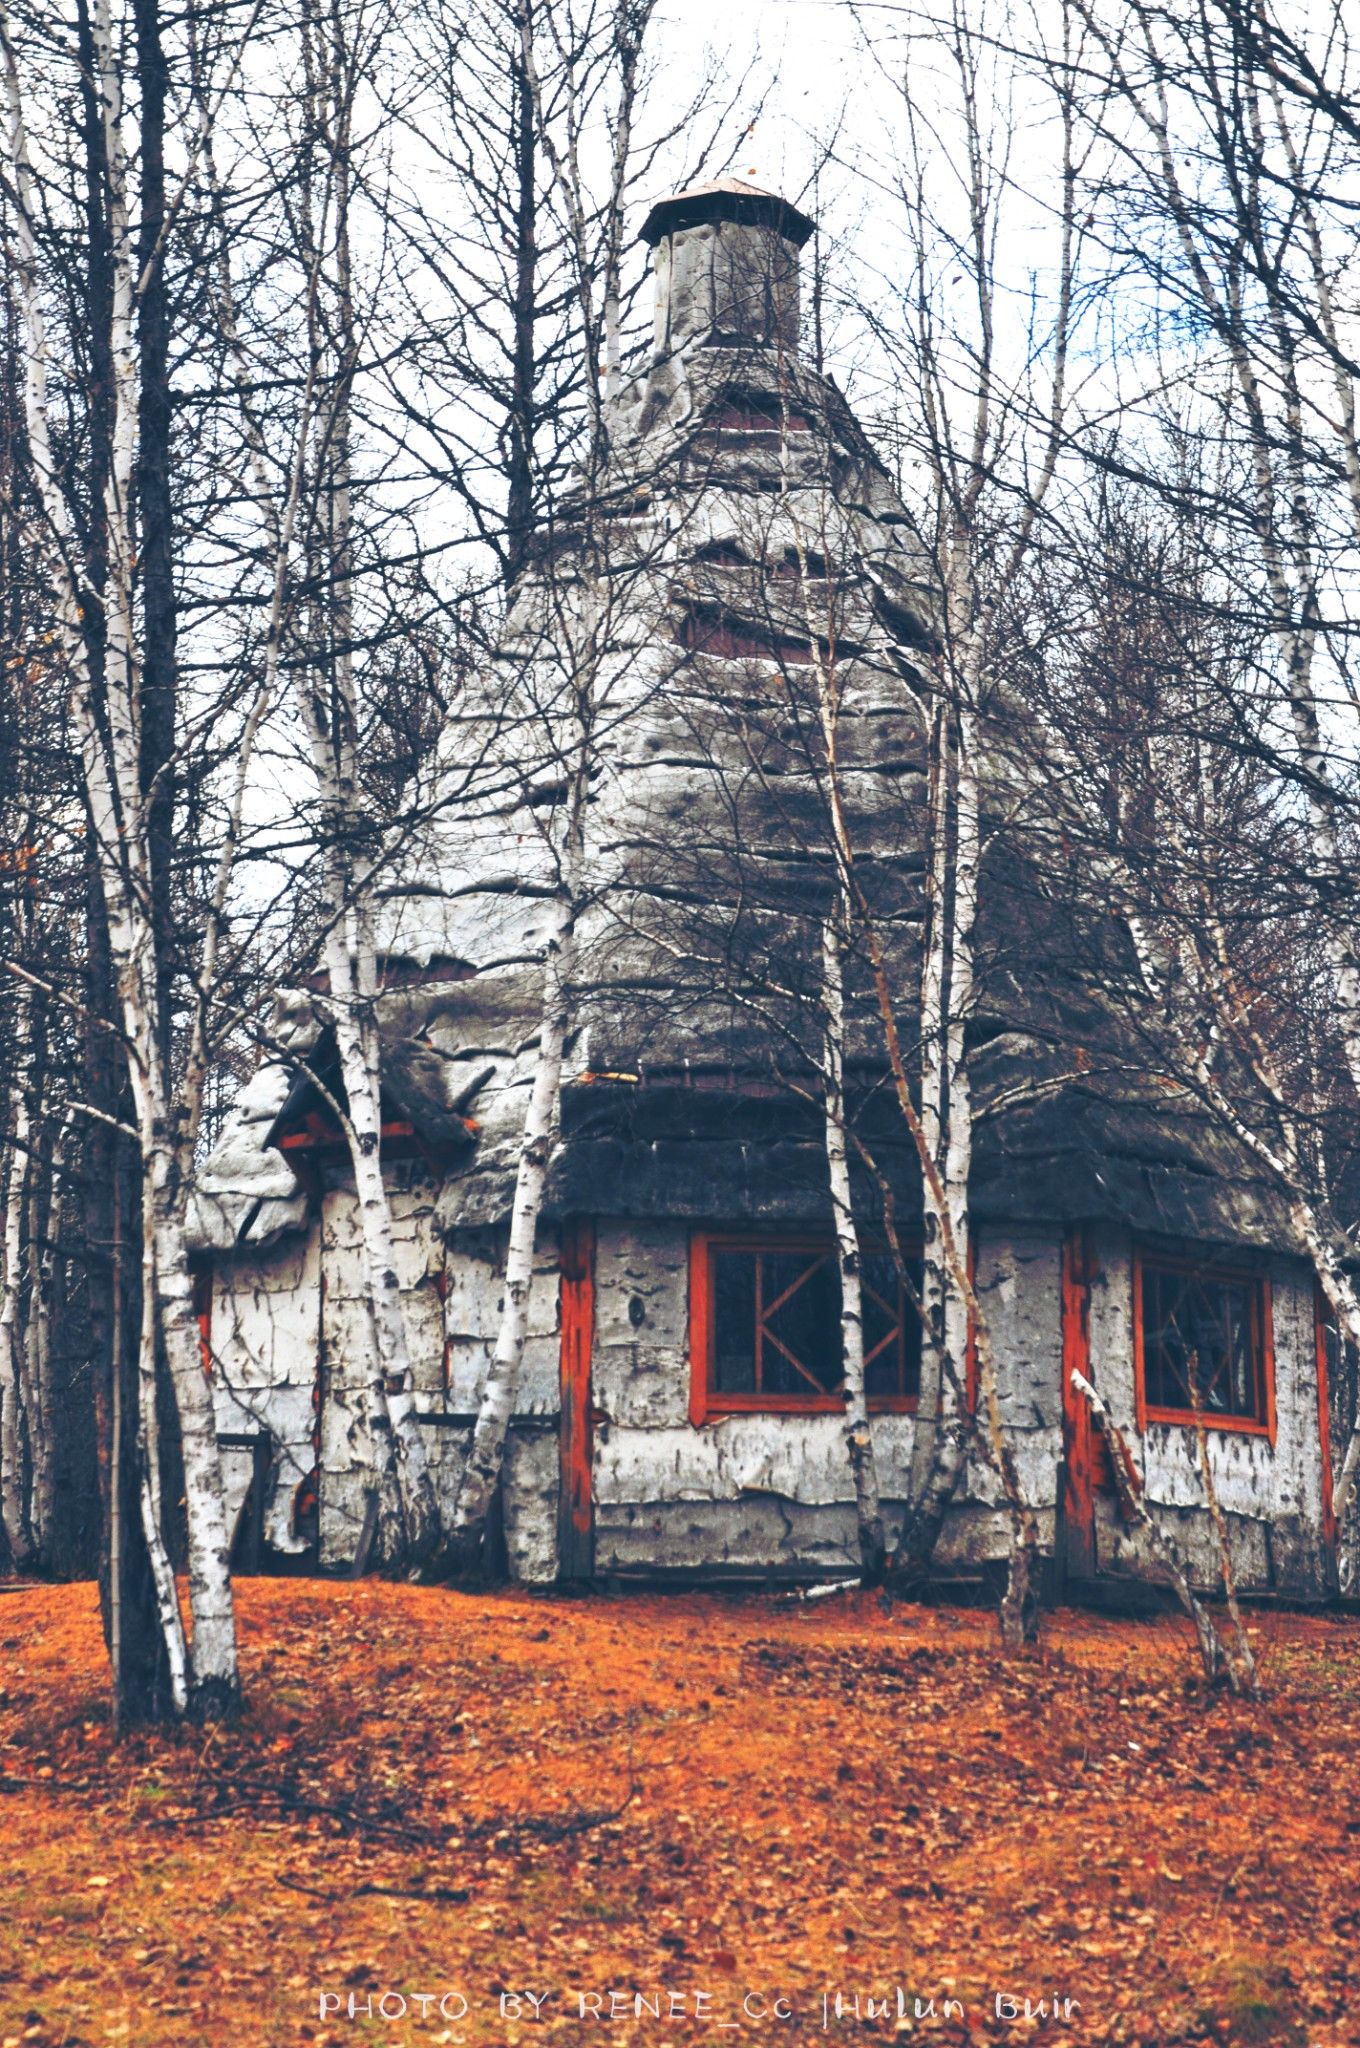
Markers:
point(727, 639)
point(790, 567)
point(749, 412)
point(721, 554)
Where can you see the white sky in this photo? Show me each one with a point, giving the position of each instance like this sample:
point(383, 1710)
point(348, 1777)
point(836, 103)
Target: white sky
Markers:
point(809, 48)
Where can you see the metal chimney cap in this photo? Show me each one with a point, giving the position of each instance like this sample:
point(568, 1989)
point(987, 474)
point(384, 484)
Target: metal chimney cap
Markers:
point(726, 199)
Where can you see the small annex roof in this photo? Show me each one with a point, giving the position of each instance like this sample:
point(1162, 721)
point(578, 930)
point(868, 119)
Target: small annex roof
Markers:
point(730, 199)
point(414, 1090)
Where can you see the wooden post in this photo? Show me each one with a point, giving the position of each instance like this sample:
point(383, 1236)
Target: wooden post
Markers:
point(1079, 1452)
point(576, 1502)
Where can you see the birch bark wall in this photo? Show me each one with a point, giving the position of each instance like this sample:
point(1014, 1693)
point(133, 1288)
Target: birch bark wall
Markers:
point(752, 1494)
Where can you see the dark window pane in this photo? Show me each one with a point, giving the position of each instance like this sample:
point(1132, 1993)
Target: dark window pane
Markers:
point(880, 1293)
point(1199, 1345)
point(735, 640)
point(740, 412)
point(734, 1322)
point(801, 1312)
point(1164, 1365)
point(892, 1330)
point(776, 1325)
point(1242, 1389)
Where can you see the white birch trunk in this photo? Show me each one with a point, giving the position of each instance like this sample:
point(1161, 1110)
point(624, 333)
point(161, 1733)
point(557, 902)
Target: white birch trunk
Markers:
point(13, 1494)
point(410, 1523)
point(961, 926)
point(858, 1433)
point(943, 1426)
point(149, 1456)
point(1017, 1612)
point(1018, 1605)
point(935, 1386)
point(1243, 1662)
point(583, 635)
point(836, 928)
point(486, 1454)
point(964, 465)
point(1135, 1511)
point(36, 1369)
point(486, 1457)
point(409, 1517)
point(112, 777)
point(43, 1269)
point(212, 1650)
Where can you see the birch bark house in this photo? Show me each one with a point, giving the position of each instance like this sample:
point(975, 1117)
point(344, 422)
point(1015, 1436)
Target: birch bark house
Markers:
point(679, 1406)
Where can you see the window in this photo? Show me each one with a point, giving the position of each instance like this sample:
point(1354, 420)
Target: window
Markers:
point(747, 412)
point(722, 554)
point(766, 1333)
point(728, 639)
point(789, 568)
point(1202, 1339)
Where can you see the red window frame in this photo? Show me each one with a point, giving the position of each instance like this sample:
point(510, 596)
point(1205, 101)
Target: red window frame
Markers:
point(1261, 1326)
point(706, 1401)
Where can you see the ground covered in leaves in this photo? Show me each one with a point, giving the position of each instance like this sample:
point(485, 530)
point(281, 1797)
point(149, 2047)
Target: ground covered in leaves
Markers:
point(679, 1820)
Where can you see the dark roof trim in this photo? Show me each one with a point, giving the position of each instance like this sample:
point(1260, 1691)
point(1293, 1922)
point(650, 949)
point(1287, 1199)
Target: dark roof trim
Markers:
point(727, 200)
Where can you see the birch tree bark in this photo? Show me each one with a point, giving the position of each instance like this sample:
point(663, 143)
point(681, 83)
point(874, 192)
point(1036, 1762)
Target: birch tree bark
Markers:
point(14, 1506)
point(149, 1459)
point(44, 1270)
point(939, 1442)
point(486, 1455)
point(577, 616)
point(327, 701)
point(106, 710)
point(858, 1432)
point(1135, 1511)
point(976, 406)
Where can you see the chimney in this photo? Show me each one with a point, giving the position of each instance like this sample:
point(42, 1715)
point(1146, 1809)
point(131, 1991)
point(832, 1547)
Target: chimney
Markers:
point(726, 267)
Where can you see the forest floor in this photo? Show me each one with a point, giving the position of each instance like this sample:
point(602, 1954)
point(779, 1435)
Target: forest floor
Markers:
point(730, 1809)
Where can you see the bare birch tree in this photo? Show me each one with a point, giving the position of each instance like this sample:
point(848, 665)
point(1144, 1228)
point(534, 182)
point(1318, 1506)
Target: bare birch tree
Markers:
point(107, 708)
point(1230, 170)
point(580, 609)
point(993, 420)
point(1222, 145)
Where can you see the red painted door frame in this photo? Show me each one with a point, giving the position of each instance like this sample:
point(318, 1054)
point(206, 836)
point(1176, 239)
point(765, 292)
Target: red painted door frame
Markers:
point(576, 1493)
point(1081, 1451)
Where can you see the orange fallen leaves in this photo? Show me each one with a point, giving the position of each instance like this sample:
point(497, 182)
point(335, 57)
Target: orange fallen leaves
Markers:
point(726, 1809)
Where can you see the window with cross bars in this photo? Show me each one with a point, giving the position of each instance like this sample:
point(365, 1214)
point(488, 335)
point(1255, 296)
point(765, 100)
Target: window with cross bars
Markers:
point(1202, 1342)
point(766, 1316)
